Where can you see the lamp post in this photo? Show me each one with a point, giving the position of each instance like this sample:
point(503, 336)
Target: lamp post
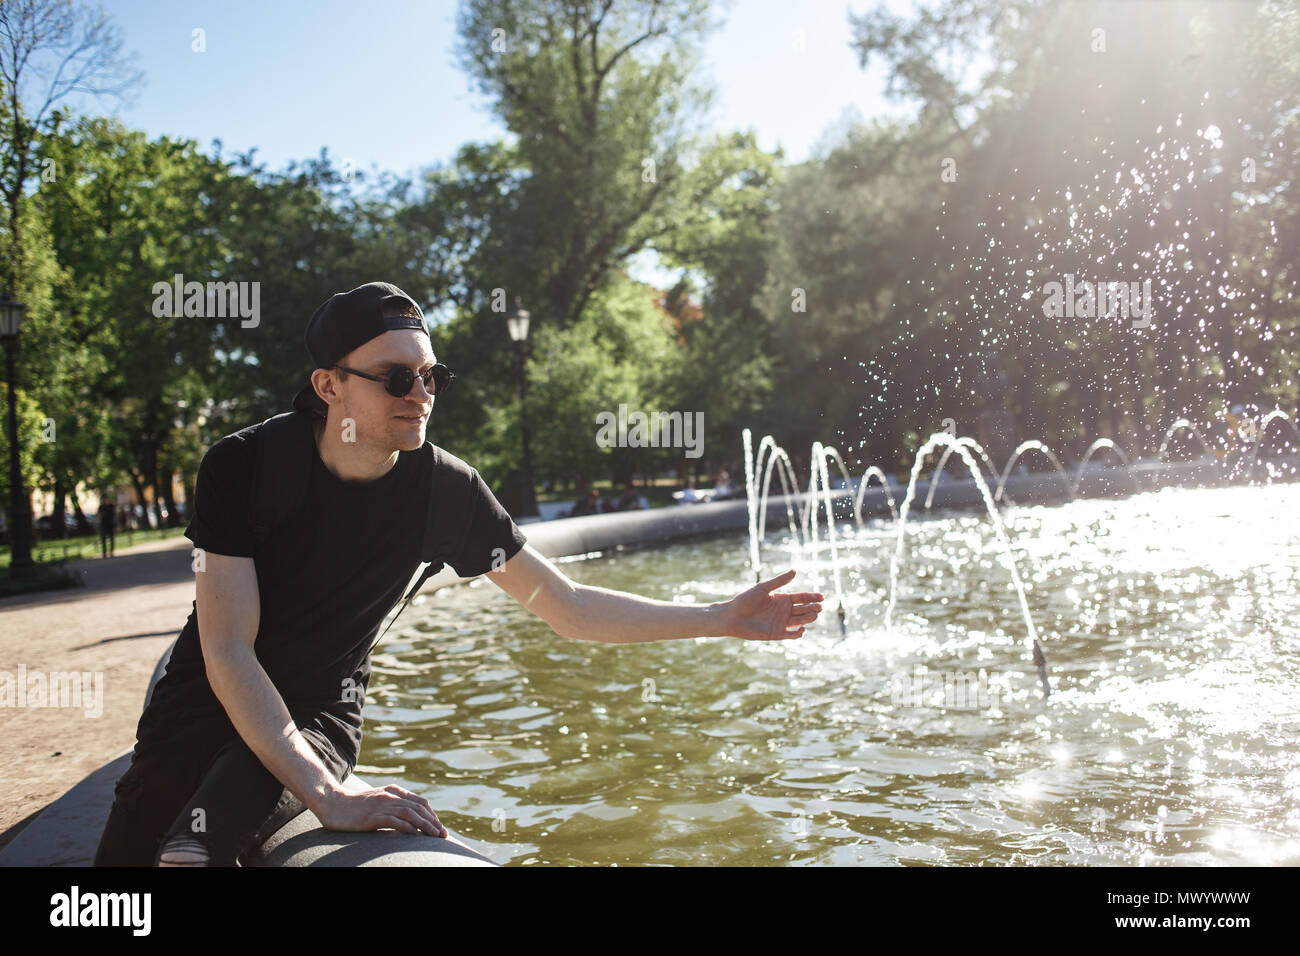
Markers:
point(517, 323)
point(21, 567)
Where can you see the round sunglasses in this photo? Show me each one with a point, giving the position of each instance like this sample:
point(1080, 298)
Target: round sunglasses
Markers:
point(400, 379)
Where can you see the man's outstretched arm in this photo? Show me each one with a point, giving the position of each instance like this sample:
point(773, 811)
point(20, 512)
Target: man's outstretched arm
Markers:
point(589, 613)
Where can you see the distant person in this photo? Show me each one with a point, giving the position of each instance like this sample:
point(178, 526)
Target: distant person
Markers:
point(1241, 428)
point(107, 525)
point(689, 493)
point(588, 504)
point(724, 488)
point(629, 500)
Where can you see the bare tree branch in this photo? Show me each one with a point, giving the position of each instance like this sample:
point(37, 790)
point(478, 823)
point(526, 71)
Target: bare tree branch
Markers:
point(651, 31)
point(88, 50)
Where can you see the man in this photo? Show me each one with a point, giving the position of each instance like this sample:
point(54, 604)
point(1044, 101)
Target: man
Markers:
point(629, 500)
point(107, 524)
point(724, 488)
point(259, 713)
point(588, 504)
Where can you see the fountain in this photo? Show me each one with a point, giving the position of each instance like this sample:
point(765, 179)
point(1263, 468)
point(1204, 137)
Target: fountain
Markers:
point(820, 496)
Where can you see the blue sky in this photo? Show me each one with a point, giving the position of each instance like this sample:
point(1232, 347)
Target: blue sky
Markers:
point(376, 82)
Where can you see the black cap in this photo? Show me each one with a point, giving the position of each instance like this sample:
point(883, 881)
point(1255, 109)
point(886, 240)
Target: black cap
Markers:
point(347, 321)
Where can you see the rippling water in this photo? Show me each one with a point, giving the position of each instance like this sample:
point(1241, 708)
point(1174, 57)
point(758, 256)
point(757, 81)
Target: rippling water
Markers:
point(1170, 621)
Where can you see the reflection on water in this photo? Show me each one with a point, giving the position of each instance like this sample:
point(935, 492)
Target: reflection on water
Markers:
point(1170, 621)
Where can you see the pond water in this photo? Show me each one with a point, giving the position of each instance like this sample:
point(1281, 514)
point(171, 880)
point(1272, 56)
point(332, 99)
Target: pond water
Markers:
point(1171, 624)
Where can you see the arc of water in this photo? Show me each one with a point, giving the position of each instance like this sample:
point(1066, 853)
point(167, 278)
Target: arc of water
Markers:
point(1173, 430)
point(1181, 423)
point(1032, 445)
point(942, 438)
point(943, 460)
point(862, 490)
point(809, 510)
point(788, 485)
point(771, 455)
point(812, 505)
point(848, 481)
point(820, 454)
point(1268, 419)
point(1096, 446)
point(757, 503)
point(751, 500)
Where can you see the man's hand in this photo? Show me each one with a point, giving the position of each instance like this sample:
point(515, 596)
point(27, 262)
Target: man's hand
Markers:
point(760, 615)
point(376, 809)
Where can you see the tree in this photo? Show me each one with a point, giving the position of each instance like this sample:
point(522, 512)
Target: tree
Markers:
point(598, 98)
point(84, 50)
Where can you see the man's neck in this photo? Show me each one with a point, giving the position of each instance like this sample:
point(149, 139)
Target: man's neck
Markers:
point(345, 460)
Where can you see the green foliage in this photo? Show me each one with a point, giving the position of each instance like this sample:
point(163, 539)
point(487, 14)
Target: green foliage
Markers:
point(1075, 153)
point(914, 285)
point(618, 352)
point(600, 103)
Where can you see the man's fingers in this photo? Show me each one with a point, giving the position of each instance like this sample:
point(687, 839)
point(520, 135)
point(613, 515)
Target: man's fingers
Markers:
point(419, 821)
point(434, 824)
point(417, 803)
point(773, 583)
point(397, 823)
point(425, 816)
point(417, 810)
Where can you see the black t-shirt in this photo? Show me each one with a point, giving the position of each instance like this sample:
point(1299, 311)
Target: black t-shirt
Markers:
point(326, 577)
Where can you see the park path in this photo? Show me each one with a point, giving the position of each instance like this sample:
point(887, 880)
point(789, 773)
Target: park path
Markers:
point(117, 625)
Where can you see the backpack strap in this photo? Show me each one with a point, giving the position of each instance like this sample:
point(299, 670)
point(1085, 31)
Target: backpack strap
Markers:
point(283, 446)
point(451, 490)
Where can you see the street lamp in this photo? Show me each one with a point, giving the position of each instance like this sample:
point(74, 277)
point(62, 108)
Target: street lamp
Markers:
point(517, 324)
point(21, 567)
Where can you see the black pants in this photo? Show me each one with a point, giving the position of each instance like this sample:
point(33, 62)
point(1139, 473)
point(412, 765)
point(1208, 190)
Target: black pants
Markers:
point(215, 794)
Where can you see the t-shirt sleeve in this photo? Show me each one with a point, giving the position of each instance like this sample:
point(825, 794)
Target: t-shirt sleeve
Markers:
point(219, 518)
point(492, 537)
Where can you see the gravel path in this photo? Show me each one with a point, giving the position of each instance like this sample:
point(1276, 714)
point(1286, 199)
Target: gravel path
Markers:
point(117, 626)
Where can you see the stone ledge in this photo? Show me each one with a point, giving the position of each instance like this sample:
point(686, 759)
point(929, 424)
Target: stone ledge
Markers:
point(67, 831)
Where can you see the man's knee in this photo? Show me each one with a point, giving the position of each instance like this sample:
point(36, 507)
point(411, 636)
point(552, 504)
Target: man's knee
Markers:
point(183, 851)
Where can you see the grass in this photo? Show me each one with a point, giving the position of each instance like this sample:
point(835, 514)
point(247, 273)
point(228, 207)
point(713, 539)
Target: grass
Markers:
point(86, 546)
point(50, 576)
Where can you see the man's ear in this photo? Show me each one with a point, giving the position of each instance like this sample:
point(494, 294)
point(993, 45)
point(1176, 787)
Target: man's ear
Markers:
point(323, 381)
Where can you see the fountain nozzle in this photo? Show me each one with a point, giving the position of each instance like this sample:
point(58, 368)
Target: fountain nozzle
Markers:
point(1040, 661)
point(844, 630)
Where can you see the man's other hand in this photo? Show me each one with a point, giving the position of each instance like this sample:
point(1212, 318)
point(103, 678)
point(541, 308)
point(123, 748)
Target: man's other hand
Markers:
point(390, 807)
